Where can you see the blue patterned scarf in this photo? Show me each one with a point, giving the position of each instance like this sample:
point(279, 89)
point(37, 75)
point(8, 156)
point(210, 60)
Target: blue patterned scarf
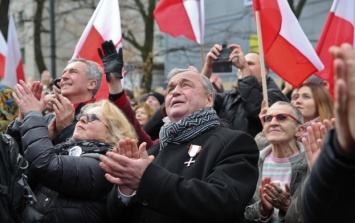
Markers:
point(188, 128)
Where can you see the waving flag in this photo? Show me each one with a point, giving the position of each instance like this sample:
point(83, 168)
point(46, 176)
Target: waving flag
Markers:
point(338, 29)
point(287, 50)
point(105, 24)
point(13, 64)
point(181, 17)
point(3, 52)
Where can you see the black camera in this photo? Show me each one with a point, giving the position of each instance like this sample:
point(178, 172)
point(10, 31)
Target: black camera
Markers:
point(222, 63)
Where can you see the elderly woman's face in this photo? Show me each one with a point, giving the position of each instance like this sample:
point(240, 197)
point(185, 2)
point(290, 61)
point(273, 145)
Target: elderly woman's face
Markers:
point(280, 124)
point(91, 125)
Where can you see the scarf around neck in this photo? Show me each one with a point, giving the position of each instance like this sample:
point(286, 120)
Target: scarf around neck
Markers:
point(188, 128)
point(87, 146)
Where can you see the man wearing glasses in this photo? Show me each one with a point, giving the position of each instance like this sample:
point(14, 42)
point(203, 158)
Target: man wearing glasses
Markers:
point(282, 164)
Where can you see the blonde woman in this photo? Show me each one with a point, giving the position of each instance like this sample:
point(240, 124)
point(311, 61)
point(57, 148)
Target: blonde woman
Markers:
point(72, 186)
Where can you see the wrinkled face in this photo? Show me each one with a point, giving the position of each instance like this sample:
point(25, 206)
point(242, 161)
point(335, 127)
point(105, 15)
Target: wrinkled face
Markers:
point(95, 129)
point(74, 82)
point(186, 95)
point(153, 102)
point(142, 116)
point(253, 60)
point(283, 131)
point(302, 99)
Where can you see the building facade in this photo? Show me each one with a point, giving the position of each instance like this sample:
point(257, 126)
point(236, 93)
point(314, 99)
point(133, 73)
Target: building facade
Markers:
point(225, 20)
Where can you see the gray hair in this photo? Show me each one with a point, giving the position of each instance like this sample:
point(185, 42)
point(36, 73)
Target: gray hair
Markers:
point(93, 72)
point(209, 89)
point(295, 111)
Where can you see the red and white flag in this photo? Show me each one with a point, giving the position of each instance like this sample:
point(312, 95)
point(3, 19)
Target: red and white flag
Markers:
point(181, 17)
point(338, 29)
point(105, 24)
point(3, 52)
point(13, 64)
point(287, 49)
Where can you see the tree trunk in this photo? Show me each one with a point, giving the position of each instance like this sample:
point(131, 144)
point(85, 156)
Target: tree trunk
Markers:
point(37, 36)
point(147, 73)
point(4, 20)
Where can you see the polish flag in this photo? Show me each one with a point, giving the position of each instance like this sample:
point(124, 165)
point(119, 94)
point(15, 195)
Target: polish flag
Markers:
point(13, 64)
point(3, 52)
point(105, 24)
point(287, 49)
point(338, 29)
point(181, 17)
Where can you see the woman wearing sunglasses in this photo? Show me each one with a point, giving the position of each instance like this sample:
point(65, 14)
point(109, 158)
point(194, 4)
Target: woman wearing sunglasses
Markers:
point(282, 164)
point(72, 187)
point(315, 103)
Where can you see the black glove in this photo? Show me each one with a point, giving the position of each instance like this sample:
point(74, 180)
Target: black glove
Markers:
point(113, 61)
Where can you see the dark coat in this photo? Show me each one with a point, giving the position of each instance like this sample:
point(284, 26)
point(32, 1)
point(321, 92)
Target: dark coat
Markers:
point(72, 189)
point(329, 191)
point(241, 107)
point(14, 128)
point(216, 188)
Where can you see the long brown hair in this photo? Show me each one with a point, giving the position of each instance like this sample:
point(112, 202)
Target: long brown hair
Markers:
point(322, 100)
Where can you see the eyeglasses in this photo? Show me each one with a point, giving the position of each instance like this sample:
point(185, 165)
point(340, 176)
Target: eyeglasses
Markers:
point(279, 117)
point(90, 118)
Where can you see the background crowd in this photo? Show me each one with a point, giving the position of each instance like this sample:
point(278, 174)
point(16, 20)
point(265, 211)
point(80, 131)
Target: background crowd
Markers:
point(192, 153)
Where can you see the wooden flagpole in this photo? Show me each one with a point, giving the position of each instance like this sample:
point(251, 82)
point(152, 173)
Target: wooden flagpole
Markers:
point(202, 51)
point(262, 61)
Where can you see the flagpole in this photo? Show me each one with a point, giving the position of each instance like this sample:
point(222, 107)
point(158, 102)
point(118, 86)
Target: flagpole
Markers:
point(262, 60)
point(202, 51)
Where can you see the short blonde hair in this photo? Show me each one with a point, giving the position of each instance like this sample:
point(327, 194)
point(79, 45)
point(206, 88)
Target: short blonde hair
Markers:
point(150, 111)
point(118, 125)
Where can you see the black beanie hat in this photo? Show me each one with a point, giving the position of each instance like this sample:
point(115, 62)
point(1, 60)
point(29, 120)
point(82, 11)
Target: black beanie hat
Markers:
point(158, 96)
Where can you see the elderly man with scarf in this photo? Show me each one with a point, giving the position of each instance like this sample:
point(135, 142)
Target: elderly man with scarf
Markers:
point(199, 172)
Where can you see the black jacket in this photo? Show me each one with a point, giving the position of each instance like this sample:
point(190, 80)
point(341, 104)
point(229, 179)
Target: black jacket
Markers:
point(64, 135)
point(329, 191)
point(72, 188)
point(216, 188)
point(241, 107)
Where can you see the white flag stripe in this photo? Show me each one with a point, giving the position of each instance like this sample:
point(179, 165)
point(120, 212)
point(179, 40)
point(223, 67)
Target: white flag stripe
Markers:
point(196, 13)
point(86, 31)
point(13, 57)
point(292, 32)
point(108, 18)
point(3, 45)
point(345, 10)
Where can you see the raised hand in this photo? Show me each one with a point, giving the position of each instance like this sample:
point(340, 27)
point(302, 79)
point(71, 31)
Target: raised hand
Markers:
point(126, 165)
point(113, 61)
point(64, 112)
point(313, 144)
point(344, 66)
point(265, 199)
point(281, 197)
point(26, 100)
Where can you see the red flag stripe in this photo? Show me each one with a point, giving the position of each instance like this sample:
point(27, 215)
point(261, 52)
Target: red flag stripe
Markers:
point(293, 70)
point(338, 29)
point(180, 18)
point(104, 25)
point(287, 50)
point(13, 63)
point(2, 65)
point(19, 71)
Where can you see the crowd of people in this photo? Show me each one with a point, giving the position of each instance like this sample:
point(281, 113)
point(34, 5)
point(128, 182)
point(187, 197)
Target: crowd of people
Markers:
point(193, 153)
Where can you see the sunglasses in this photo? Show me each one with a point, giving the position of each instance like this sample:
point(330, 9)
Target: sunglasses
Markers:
point(90, 118)
point(279, 117)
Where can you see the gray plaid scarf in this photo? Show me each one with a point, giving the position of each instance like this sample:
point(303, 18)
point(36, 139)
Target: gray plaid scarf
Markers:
point(188, 128)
